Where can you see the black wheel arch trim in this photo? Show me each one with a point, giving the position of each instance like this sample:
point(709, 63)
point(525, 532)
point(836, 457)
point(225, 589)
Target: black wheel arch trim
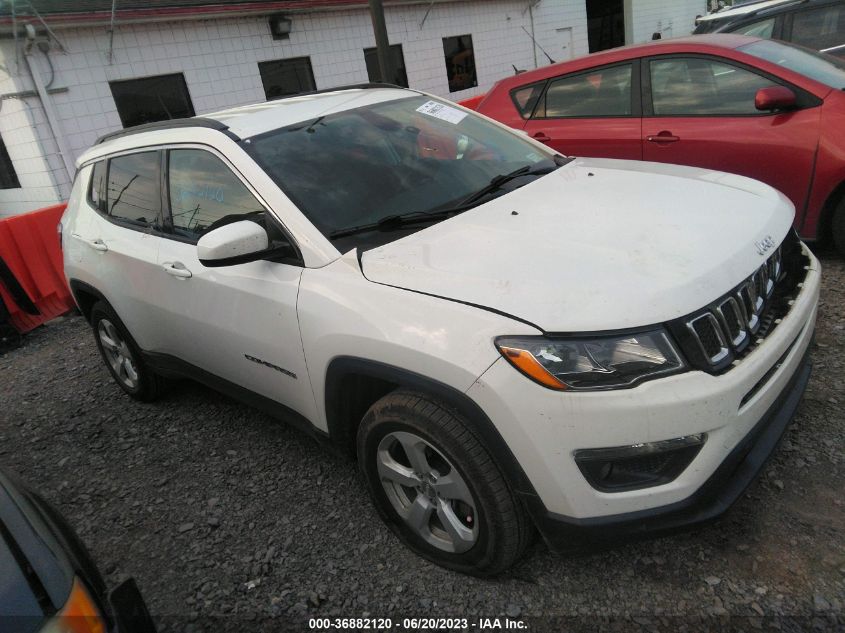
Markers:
point(78, 287)
point(344, 366)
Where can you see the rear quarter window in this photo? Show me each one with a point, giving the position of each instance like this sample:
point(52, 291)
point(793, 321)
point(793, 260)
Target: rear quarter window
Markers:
point(95, 188)
point(525, 98)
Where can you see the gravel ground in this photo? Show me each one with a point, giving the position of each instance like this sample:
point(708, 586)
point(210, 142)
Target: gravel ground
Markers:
point(230, 520)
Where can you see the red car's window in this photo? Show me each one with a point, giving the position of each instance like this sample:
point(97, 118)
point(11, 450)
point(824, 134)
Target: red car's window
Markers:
point(525, 98)
point(703, 87)
point(605, 92)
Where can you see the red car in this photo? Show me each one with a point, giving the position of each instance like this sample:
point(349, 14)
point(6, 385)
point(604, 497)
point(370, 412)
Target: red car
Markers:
point(755, 107)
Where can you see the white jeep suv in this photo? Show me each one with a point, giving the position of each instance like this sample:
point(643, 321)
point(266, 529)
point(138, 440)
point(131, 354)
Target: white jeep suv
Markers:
point(505, 338)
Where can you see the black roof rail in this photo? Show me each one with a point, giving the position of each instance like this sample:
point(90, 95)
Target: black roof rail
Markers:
point(168, 124)
point(364, 86)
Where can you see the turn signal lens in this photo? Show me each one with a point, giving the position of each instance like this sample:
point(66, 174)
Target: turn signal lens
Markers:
point(526, 363)
point(79, 615)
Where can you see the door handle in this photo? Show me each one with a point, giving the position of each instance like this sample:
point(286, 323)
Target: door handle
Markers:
point(542, 137)
point(664, 137)
point(177, 270)
point(97, 244)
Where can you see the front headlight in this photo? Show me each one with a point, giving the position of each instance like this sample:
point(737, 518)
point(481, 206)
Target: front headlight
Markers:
point(599, 362)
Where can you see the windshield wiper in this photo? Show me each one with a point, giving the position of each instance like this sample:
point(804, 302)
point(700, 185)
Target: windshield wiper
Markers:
point(392, 222)
point(496, 183)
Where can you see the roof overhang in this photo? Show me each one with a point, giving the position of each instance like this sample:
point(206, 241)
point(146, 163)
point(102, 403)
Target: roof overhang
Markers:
point(198, 12)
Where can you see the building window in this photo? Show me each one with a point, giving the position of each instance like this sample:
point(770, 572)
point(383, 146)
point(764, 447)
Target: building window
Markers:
point(8, 177)
point(605, 24)
point(460, 62)
point(152, 99)
point(286, 77)
point(397, 65)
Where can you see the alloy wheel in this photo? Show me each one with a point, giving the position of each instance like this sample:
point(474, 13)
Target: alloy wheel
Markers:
point(427, 492)
point(117, 354)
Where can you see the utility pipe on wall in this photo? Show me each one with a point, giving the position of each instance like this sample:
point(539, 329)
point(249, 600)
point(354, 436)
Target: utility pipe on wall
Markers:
point(382, 43)
point(50, 111)
point(533, 34)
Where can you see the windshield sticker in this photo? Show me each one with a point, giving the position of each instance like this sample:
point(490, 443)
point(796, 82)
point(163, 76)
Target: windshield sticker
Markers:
point(442, 111)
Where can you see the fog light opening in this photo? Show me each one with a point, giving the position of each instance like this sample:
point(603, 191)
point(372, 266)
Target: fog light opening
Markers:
point(620, 468)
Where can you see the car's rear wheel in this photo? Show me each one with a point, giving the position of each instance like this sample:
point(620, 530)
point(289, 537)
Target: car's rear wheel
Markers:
point(838, 227)
point(122, 355)
point(437, 487)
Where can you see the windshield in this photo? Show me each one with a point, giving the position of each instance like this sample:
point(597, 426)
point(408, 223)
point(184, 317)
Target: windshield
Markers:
point(823, 68)
point(408, 156)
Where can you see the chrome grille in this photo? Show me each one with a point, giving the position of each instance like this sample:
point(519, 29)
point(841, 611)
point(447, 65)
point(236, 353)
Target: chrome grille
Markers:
point(733, 320)
point(726, 330)
point(707, 331)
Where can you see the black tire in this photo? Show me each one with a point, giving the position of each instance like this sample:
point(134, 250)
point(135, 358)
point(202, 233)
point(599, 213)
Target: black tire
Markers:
point(10, 338)
point(146, 385)
point(503, 528)
point(838, 227)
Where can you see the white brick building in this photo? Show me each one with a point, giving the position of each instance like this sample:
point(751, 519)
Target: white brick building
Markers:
point(214, 55)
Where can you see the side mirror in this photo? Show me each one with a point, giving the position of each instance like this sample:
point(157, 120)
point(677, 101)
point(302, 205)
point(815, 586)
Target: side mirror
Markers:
point(774, 98)
point(231, 244)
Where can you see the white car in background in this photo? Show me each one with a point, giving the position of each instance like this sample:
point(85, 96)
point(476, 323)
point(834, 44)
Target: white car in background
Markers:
point(505, 338)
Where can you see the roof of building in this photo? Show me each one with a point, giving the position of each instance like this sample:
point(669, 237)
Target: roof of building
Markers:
point(64, 7)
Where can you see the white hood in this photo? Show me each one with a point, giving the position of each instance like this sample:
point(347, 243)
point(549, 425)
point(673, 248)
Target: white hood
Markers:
point(595, 245)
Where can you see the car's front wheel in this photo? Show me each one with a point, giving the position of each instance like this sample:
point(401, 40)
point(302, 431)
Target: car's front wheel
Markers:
point(122, 355)
point(437, 487)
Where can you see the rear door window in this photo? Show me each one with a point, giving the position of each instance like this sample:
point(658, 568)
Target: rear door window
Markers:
point(132, 192)
point(602, 92)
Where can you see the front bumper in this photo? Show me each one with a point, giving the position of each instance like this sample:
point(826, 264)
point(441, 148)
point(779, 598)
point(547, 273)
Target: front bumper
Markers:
point(713, 498)
point(743, 412)
point(129, 610)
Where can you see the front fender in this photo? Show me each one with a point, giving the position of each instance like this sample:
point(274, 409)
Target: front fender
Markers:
point(342, 314)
